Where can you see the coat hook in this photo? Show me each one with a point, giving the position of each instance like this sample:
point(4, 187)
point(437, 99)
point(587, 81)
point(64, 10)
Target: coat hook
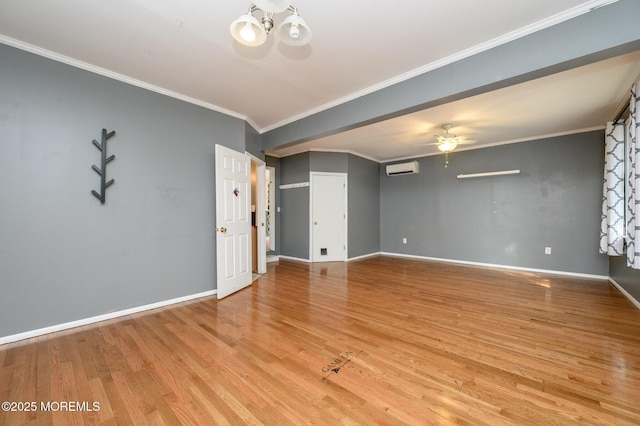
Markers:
point(103, 171)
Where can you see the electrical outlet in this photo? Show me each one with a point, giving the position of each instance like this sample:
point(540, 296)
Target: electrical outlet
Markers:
point(404, 241)
point(547, 250)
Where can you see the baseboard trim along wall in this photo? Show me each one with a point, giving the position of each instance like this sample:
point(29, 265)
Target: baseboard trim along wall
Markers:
point(99, 318)
point(351, 259)
point(364, 256)
point(491, 265)
point(112, 315)
point(625, 293)
point(294, 259)
point(272, 258)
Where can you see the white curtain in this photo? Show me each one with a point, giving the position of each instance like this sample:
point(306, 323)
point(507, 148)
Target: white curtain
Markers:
point(633, 176)
point(613, 200)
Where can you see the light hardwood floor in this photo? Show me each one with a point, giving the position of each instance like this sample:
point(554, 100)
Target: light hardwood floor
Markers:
point(377, 341)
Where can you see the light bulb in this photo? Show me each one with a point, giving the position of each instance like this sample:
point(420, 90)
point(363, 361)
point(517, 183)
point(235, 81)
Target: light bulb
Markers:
point(247, 33)
point(294, 31)
point(447, 146)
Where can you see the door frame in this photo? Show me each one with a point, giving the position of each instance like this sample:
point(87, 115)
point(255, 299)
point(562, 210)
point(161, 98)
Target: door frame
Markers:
point(261, 205)
point(346, 212)
point(272, 238)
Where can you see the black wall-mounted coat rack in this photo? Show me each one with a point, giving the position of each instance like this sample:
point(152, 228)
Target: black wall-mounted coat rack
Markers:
point(103, 171)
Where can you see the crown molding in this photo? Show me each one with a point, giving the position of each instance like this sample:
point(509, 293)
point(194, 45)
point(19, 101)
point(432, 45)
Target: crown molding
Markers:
point(506, 142)
point(524, 31)
point(463, 54)
point(117, 76)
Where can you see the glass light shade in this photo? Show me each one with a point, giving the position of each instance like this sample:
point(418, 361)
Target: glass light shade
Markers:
point(272, 6)
point(248, 31)
point(294, 31)
point(448, 145)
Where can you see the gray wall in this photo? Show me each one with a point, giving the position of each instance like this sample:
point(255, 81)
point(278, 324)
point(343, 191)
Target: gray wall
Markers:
point(329, 162)
point(63, 255)
point(626, 277)
point(364, 206)
point(252, 141)
point(294, 207)
point(504, 220)
point(363, 201)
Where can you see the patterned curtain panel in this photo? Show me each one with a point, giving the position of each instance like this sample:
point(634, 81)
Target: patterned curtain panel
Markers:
point(633, 175)
point(612, 224)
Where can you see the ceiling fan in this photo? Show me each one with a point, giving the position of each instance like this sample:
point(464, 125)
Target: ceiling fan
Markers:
point(448, 142)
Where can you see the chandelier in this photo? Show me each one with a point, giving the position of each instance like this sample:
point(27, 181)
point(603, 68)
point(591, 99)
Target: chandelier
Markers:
point(250, 31)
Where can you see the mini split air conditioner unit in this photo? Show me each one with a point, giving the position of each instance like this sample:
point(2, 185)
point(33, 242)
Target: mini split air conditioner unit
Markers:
point(403, 168)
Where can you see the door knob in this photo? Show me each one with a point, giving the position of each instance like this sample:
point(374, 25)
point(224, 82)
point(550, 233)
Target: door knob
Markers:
point(223, 229)
point(315, 223)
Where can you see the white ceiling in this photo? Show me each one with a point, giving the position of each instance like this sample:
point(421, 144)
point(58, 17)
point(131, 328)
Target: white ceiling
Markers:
point(184, 49)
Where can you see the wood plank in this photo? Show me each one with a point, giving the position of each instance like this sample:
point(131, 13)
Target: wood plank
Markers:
point(425, 342)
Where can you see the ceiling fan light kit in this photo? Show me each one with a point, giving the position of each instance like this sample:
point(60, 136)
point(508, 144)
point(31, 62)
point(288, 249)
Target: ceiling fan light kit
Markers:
point(250, 31)
point(447, 146)
point(448, 142)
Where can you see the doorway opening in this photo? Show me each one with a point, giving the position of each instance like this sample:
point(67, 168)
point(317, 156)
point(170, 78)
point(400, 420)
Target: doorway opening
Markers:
point(270, 210)
point(258, 216)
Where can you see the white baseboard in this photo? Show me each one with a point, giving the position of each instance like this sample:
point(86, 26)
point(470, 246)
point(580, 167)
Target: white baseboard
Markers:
point(295, 259)
point(272, 258)
point(491, 265)
point(112, 315)
point(364, 256)
point(92, 320)
point(625, 293)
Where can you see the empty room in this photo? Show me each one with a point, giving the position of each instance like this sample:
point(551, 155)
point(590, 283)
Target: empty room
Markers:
point(277, 212)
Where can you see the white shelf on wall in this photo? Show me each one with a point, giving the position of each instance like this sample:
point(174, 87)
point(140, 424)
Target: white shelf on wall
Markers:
point(487, 174)
point(294, 185)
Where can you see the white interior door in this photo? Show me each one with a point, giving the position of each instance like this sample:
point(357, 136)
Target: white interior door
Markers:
point(328, 217)
point(233, 221)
